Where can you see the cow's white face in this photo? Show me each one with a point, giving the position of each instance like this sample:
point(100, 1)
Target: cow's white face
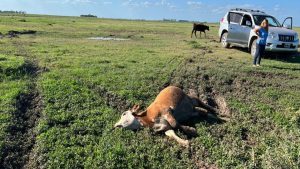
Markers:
point(128, 121)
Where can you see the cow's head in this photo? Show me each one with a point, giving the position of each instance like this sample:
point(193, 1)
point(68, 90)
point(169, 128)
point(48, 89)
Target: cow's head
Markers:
point(129, 119)
point(207, 28)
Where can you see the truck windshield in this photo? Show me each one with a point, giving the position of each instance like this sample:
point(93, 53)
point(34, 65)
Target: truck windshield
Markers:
point(272, 21)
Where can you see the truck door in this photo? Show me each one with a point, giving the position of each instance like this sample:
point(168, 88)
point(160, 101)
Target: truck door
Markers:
point(234, 27)
point(286, 24)
point(246, 27)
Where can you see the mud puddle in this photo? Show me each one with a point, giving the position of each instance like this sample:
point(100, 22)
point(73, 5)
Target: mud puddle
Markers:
point(15, 34)
point(107, 39)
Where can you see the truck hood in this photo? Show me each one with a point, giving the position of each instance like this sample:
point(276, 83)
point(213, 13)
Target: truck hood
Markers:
point(282, 31)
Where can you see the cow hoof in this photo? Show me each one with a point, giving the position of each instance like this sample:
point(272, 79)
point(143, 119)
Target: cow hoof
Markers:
point(186, 143)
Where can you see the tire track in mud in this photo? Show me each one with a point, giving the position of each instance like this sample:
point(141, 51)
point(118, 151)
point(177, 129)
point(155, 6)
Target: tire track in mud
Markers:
point(21, 136)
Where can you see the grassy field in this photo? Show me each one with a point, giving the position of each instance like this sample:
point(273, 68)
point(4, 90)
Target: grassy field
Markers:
point(61, 93)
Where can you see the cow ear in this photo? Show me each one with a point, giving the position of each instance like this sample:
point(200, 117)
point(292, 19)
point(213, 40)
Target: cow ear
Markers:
point(140, 114)
point(135, 108)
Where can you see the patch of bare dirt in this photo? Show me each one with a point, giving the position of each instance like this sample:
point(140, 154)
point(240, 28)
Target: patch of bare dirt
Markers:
point(14, 34)
point(28, 68)
point(222, 105)
point(108, 39)
point(269, 75)
point(194, 82)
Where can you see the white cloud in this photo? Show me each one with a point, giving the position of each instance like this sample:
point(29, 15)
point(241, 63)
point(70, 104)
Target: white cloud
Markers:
point(146, 4)
point(172, 7)
point(276, 8)
point(130, 3)
point(74, 2)
point(77, 1)
point(167, 4)
point(194, 4)
point(107, 2)
point(219, 10)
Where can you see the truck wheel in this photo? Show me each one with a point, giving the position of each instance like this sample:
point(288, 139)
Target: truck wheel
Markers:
point(224, 42)
point(253, 47)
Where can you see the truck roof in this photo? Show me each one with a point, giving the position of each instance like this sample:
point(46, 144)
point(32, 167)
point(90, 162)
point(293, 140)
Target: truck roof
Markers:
point(248, 11)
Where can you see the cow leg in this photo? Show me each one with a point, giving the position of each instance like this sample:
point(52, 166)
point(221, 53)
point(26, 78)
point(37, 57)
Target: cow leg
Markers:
point(205, 113)
point(200, 34)
point(192, 33)
point(171, 120)
point(190, 131)
point(161, 126)
point(195, 33)
point(198, 104)
point(200, 111)
point(205, 34)
point(174, 124)
point(171, 134)
point(208, 108)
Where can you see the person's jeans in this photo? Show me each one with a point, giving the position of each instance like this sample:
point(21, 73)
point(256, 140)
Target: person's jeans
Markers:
point(260, 49)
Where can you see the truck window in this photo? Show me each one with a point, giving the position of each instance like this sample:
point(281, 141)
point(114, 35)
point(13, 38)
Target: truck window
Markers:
point(235, 17)
point(245, 19)
point(272, 21)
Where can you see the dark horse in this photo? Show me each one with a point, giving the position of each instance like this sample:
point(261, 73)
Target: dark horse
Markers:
point(199, 27)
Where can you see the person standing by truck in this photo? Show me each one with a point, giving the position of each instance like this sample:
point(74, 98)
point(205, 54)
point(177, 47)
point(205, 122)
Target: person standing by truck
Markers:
point(262, 33)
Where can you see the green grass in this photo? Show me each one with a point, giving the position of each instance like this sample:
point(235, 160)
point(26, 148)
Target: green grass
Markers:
point(74, 128)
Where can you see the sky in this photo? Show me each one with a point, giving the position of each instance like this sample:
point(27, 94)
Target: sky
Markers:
point(193, 10)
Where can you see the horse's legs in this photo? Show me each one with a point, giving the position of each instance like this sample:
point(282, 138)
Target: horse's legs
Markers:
point(205, 34)
point(195, 33)
point(192, 33)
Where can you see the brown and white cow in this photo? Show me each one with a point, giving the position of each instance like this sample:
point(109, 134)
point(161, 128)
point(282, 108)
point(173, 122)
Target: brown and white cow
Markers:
point(170, 109)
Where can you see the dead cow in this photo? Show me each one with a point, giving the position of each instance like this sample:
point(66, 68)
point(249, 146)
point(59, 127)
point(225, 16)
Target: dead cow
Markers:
point(199, 27)
point(170, 109)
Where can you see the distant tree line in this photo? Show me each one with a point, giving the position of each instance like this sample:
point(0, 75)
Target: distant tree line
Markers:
point(13, 12)
point(169, 20)
point(174, 20)
point(89, 15)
